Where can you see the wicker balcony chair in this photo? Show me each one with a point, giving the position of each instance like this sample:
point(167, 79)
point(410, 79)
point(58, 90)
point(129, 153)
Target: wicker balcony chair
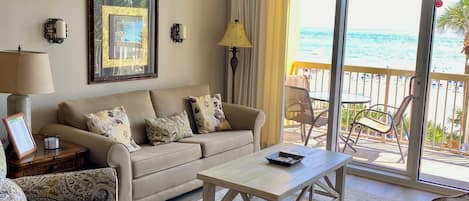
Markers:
point(298, 107)
point(386, 125)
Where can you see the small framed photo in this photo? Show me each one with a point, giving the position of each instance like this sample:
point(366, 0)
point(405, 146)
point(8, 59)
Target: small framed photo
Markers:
point(19, 135)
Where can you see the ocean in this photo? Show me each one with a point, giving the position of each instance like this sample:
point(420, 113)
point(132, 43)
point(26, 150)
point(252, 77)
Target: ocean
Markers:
point(386, 49)
point(396, 51)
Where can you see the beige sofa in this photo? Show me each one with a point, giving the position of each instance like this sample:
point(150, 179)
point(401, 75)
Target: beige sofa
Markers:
point(164, 171)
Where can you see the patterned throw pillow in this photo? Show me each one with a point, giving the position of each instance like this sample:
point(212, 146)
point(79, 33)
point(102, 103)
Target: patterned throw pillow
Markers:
point(168, 129)
point(208, 113)
point(113, 124)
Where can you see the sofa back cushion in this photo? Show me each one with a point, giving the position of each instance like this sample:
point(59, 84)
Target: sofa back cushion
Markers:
point(168, 102)
point(137, 104)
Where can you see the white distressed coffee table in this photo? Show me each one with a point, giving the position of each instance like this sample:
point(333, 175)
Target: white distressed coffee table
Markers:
point(252, 175)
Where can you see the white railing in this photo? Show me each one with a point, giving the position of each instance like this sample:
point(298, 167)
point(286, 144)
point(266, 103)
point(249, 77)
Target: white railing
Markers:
point(445, 108)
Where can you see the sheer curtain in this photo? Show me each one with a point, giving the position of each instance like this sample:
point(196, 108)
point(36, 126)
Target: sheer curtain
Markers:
point(261, 69)
point(248, 13)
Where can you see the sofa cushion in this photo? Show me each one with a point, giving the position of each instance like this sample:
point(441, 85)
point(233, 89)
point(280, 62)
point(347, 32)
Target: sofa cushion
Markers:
point(208, 113)
point(219, 142)
point(168, 102)
point(152, 159)
point(144, 188)
point(137, 105)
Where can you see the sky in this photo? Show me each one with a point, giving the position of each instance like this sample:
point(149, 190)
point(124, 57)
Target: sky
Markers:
point(393, 15)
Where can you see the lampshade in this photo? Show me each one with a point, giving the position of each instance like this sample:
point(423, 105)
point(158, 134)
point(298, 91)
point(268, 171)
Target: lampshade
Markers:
point(25, 72)
point(235, 36)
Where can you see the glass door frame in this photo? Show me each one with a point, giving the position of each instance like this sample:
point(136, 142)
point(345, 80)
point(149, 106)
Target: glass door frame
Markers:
point(410, 176)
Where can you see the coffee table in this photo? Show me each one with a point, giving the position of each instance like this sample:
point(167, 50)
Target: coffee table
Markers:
point(253, 175)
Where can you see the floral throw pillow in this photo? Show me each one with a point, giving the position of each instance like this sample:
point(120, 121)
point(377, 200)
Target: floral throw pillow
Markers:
point(113, 124)
point(208, 113)
point(168, 129)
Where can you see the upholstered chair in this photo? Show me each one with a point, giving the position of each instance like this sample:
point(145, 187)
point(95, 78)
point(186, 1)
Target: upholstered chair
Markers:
point(99, 184)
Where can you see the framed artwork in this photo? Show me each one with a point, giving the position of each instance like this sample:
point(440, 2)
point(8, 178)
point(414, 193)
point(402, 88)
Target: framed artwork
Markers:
point(122, 40)
point(19, 135)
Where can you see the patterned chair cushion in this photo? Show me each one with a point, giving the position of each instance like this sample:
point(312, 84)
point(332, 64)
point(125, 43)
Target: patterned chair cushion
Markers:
point(168, 129)
point(208, 113)
point(96, 185)
point(113, 124)
point(10, 191)
point(3, 163)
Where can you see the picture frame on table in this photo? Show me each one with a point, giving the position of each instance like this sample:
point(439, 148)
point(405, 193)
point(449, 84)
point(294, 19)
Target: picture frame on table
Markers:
point(122, 40)
point(19, 135)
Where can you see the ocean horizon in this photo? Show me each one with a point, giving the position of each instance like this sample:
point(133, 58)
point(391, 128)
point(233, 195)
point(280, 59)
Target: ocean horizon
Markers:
point(383, 48)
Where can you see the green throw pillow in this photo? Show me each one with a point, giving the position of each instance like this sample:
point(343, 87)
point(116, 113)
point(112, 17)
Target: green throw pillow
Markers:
point(168, 129)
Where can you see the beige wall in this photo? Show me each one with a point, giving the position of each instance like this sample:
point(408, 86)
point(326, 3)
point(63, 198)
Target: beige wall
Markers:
point(197, 60)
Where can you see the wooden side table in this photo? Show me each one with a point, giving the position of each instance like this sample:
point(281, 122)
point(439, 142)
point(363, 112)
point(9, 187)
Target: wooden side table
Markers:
point(69, 157)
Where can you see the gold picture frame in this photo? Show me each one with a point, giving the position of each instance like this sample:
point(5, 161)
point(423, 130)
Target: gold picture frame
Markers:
point(122, 40)
point(140, 58)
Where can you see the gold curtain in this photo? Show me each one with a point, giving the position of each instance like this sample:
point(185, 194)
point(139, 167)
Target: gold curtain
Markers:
point(272, 68)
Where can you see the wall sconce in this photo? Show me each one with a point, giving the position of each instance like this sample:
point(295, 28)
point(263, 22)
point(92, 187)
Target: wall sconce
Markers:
point(55, 30)
point(178, 33)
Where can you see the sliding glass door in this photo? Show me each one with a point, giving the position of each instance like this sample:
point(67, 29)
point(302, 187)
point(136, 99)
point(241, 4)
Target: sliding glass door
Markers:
point(445, 157)
point(412, 68)
point(393, 75)
point(311, 38)
point(380, 59)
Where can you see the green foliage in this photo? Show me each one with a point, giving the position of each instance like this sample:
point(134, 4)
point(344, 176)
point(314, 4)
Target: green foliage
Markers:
point(348, 114)
point(456, 17)
point(406, 121)
point(434, 133)
point(457, 123)
point(457, 119)
point(454, 137)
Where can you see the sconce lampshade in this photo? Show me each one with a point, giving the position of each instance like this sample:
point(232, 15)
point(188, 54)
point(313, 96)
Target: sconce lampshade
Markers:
point(235, 36)
point(25, 72)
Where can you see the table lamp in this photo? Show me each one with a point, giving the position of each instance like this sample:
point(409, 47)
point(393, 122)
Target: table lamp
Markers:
point(235, 37)
point(23, 73)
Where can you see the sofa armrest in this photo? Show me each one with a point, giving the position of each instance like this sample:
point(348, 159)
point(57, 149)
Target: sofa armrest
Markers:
point(98, 146)
point(102, 151)
point(246, 118)
point(99, 184)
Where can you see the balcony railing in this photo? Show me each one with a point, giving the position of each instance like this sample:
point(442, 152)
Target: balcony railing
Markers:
point(446, 111)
